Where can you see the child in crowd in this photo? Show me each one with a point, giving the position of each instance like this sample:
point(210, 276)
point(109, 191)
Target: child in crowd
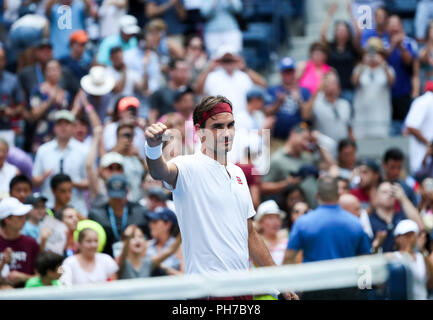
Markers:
point(48, 266)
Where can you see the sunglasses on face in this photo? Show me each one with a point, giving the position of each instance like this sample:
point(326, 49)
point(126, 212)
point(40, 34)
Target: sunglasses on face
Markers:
point(115, 167)
point(227, 61)
point(127, 136)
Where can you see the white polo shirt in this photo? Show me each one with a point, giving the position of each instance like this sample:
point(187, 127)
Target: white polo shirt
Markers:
point(420, 116)
point(212, 210)
point(48, 157)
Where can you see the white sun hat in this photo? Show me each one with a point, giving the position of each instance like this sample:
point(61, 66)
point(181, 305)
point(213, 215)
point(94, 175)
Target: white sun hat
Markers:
point(97, 82)
point(13, 207)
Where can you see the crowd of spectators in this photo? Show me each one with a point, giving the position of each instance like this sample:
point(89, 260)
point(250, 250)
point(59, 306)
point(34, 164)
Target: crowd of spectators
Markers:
point(81, 81)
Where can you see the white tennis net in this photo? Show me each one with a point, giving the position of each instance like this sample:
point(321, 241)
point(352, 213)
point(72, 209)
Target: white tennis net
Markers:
point(331, 274)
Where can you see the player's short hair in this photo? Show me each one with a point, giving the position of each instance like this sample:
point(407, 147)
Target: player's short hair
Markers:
point(205, 105)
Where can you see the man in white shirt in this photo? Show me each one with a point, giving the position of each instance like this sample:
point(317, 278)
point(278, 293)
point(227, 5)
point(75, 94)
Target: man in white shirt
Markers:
point(211, 196)
point(419, 126)
point(65, 155)
point(228, 76)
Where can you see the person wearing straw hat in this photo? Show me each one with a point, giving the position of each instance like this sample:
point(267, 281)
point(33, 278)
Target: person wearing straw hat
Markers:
point(96, 89)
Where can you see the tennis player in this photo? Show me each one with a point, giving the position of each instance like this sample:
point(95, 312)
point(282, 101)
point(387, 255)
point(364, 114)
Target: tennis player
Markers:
point(213, 203)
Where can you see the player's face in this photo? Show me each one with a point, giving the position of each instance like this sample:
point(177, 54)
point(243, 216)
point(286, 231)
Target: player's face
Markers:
point(222, 129)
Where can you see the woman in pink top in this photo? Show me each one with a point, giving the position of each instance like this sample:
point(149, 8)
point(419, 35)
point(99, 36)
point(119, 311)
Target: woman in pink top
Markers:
point(310, 72)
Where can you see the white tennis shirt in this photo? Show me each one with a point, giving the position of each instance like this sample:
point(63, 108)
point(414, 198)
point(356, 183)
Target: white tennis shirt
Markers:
point(212, 210)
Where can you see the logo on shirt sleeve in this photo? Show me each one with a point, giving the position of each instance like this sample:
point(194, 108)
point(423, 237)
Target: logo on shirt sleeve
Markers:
point(239, 180)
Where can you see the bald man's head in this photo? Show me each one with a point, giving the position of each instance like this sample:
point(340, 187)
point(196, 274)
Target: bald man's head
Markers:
point(350, 203)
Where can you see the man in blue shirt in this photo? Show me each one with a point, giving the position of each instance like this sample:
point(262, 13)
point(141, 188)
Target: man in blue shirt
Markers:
point(328, 232)
point(380, 31)
point(403, 53)
point(289, 99)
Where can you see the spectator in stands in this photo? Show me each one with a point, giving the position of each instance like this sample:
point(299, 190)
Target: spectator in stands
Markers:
point(150, 56)
point(426, 169)
point(221, 27)
point(164, 228)
point(32, 226)
point(69, 216)
point(61, 187)
point(125, 39)
point(331, 114)
point(78, 61)
point(48, 265)
point(327, 232)
point(195, 55)
point(172, 12)
point(128, 81)
point(404, 60)
point(88, 266)
point(392, 165)
point(7, 170)
point(269, 221)
point(109, 13)
point(62, 155)
point(45, 101)
point(292, 195)
point(20, 187)
point(385, 218)
point(380, 30)
point(406, 234)
point(425, 206)
point(310, 73)
point(21, 249)
point(346, 158)
point(82, 130)
point(351, 204)
point(299, 150)
point(117, 213)
point(423, 17)
point(110, 163)
point(229, 76)
point(133, 164)
point(61, 28)
point(418, 125)
point(133, 261)
point(426, 57)
point(344, 49)
point(11, 104)
point(156, 197)
point(161, 101)
point(372, 102)
point(289, 100)
point(97, 85)
point(369, 180)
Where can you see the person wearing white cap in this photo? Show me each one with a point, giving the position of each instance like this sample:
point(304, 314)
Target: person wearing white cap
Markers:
point(406, 234)
point(124, 39)
point(269, 221)
point(17, 252)
point(228, 75)
point(62, 155)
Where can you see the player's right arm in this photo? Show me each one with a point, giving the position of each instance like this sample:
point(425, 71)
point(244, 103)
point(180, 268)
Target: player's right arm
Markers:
point(159, 169)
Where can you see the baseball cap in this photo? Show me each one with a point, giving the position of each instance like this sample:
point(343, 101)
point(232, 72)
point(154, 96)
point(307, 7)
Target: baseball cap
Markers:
point(64, 115)
point(370, 164)
point(226, 49)
point(35, 198)
point(268, 207)
point(257, 92)
point(117, 186)
point(406, 226)
point(158, 192)
point(287, 63)
point(79, 36)
point(13, 207)
point(110, 158)
point(162, 213)
point(44, 42)
point(127, 102)
point(128, 24)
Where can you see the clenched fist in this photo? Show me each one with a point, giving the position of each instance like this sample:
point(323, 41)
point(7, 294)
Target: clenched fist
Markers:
point(155, 134)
